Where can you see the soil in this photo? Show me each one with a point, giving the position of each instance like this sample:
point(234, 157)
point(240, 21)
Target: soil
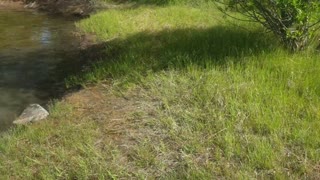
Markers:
point(113, 113)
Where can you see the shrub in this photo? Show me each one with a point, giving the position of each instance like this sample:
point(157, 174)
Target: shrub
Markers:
point(293, 21)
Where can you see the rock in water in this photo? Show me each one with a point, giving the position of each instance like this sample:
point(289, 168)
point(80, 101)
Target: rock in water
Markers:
point(33, 113)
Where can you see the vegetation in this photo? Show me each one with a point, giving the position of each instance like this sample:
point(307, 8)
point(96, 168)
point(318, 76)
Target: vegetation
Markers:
point(181, 93)
point(294, 22)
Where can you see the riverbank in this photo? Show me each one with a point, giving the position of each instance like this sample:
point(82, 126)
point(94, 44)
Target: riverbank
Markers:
point(180, 93)
point(37, 52)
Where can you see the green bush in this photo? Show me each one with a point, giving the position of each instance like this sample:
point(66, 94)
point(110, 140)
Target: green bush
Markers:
point(293, 21)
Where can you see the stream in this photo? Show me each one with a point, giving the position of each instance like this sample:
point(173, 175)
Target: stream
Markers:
point(34, 49)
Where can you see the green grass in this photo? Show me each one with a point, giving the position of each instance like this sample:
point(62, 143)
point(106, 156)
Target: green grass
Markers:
point(219, 102)
point(54, 149)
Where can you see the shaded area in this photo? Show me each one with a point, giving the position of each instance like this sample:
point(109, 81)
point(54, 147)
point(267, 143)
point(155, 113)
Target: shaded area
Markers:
point(200, 45)
point(146, 51)
point(160, 2)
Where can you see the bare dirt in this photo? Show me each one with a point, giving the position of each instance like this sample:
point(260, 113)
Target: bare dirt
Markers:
point(115, 114)
point(122, 118)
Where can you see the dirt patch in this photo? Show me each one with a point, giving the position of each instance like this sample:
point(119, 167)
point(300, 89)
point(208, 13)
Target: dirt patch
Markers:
point(116, 115)
point(122, 120)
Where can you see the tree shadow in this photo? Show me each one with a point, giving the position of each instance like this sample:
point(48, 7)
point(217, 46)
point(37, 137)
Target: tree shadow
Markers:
point(142, 52)
point(180, 48)
point(215, 44)
point(142, 2)
point(127, 4)
point(154, 50)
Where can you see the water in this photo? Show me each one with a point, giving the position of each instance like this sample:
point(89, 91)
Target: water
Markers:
point(33, 50)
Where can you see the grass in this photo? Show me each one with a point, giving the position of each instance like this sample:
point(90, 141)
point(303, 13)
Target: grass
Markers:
point(190, 96)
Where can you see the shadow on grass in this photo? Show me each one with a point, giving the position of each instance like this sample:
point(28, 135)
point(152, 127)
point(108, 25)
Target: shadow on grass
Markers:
point(176, 49)
point(158, 2)
point(145, 2)
point(135, 55)
point(138, 53)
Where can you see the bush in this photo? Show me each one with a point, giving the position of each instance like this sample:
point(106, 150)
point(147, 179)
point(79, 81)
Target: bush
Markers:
point(293, 21)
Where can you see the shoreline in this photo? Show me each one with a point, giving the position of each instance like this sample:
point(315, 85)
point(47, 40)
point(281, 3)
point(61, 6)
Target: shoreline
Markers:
point(84, 44)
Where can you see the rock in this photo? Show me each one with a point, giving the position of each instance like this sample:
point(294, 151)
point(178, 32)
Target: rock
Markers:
point(33, 113)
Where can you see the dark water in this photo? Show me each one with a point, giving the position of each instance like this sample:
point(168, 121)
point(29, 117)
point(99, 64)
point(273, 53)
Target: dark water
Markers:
point(33, 49)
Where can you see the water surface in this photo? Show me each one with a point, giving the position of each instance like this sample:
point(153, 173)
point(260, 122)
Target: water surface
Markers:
point(33, 49)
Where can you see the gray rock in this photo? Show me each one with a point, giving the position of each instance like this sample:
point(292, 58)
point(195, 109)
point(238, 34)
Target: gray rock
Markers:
point(33, 113)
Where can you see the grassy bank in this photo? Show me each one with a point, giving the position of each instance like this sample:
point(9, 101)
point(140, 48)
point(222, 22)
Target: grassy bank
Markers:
point(180, 93)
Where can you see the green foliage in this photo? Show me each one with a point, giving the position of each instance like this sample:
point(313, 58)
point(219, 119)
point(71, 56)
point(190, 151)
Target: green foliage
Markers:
point(293, 21)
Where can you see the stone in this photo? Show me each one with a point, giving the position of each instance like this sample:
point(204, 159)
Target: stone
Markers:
point(33, 113)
